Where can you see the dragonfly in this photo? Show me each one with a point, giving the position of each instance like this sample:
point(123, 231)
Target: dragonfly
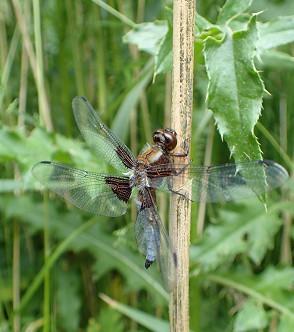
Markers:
point(157, 167)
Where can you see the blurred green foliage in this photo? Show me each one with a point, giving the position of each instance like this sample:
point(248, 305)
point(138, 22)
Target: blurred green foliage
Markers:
point(55, 259)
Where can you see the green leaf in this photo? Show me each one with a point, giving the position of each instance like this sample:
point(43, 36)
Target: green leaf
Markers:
point(276, 33)
point(108, 320)
point(252, 316)
point(274, 297)
point(202, 23)
point(10, 185)
point(95, 240)
point(277, 279)
point(39, 146)
point(248, 230)
point(286, 324)
point(147, 36)
point(276, 59)
point(148, 321)
point(68, 301)
point(120, 124)
point(235, 90)
point(231, 9)
point(163, 58)
point(93, 325)
point(11, 144)
point(270, 9)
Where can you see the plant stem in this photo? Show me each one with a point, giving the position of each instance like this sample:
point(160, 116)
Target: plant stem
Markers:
point(100, 66)
point(46, 301)
point(252, 293)
point(16, 274)
point(5, 74)
point(34, 62)
point(75, 11)
point(181, 115)
point(286, 255)
point(42, 95)
point(287, 160)
point(115, 13)
point(23, 89)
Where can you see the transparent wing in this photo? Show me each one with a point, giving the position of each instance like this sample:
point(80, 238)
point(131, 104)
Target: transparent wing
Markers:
point(99, 137)
point(96, 193)
point(152, 238)
point(219, 183)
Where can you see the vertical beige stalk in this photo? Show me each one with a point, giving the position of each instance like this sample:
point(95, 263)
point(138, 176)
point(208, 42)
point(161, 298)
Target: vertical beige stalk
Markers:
point(181, 115)
point(35, 60)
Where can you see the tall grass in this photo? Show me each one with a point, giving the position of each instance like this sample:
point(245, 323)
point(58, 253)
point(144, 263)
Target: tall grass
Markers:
point(55, 259)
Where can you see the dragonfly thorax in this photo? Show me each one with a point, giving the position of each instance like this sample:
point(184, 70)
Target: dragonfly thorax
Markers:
point(138, 177)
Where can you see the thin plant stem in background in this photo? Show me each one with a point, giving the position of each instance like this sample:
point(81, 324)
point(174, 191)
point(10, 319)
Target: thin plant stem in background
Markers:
point(34, 60)
point(207, 161)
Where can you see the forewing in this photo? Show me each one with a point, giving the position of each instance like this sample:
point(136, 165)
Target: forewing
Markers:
point(99, 137)
point(152, 238)
point(222, 183)
point(96, 193)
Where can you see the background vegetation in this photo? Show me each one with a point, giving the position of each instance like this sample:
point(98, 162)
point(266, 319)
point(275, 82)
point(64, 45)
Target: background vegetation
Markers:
point(68, 271)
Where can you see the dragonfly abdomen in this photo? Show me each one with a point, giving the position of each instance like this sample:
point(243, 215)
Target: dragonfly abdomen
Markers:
point(152, 245)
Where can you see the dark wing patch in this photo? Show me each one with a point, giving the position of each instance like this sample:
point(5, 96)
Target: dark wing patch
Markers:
point(100, 138)
point(120, 186)
point(93, 192)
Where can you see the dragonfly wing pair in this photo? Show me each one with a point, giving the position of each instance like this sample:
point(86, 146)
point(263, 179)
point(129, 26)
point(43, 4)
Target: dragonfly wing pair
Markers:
point(105, 194)
point(108, 195)
point(221, 183)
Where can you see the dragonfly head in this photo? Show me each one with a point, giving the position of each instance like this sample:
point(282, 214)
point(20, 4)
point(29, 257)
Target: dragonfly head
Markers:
point(165, 138)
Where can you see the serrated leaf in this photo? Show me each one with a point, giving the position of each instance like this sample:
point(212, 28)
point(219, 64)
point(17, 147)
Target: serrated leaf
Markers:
point(252, 316)
point(235, 90)
point(276, 33)
point(147, 36)
point(240, 23)
point(249, 230)
point(232, 8)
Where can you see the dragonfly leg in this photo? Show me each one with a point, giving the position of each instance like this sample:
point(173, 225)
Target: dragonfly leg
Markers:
point(178, 193)
point(183, 153)
point(180, 171)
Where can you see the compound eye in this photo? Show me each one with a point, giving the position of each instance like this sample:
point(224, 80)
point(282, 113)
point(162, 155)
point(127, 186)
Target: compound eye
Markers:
point(167, 138)
point(158, 136)
point(170, 141)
